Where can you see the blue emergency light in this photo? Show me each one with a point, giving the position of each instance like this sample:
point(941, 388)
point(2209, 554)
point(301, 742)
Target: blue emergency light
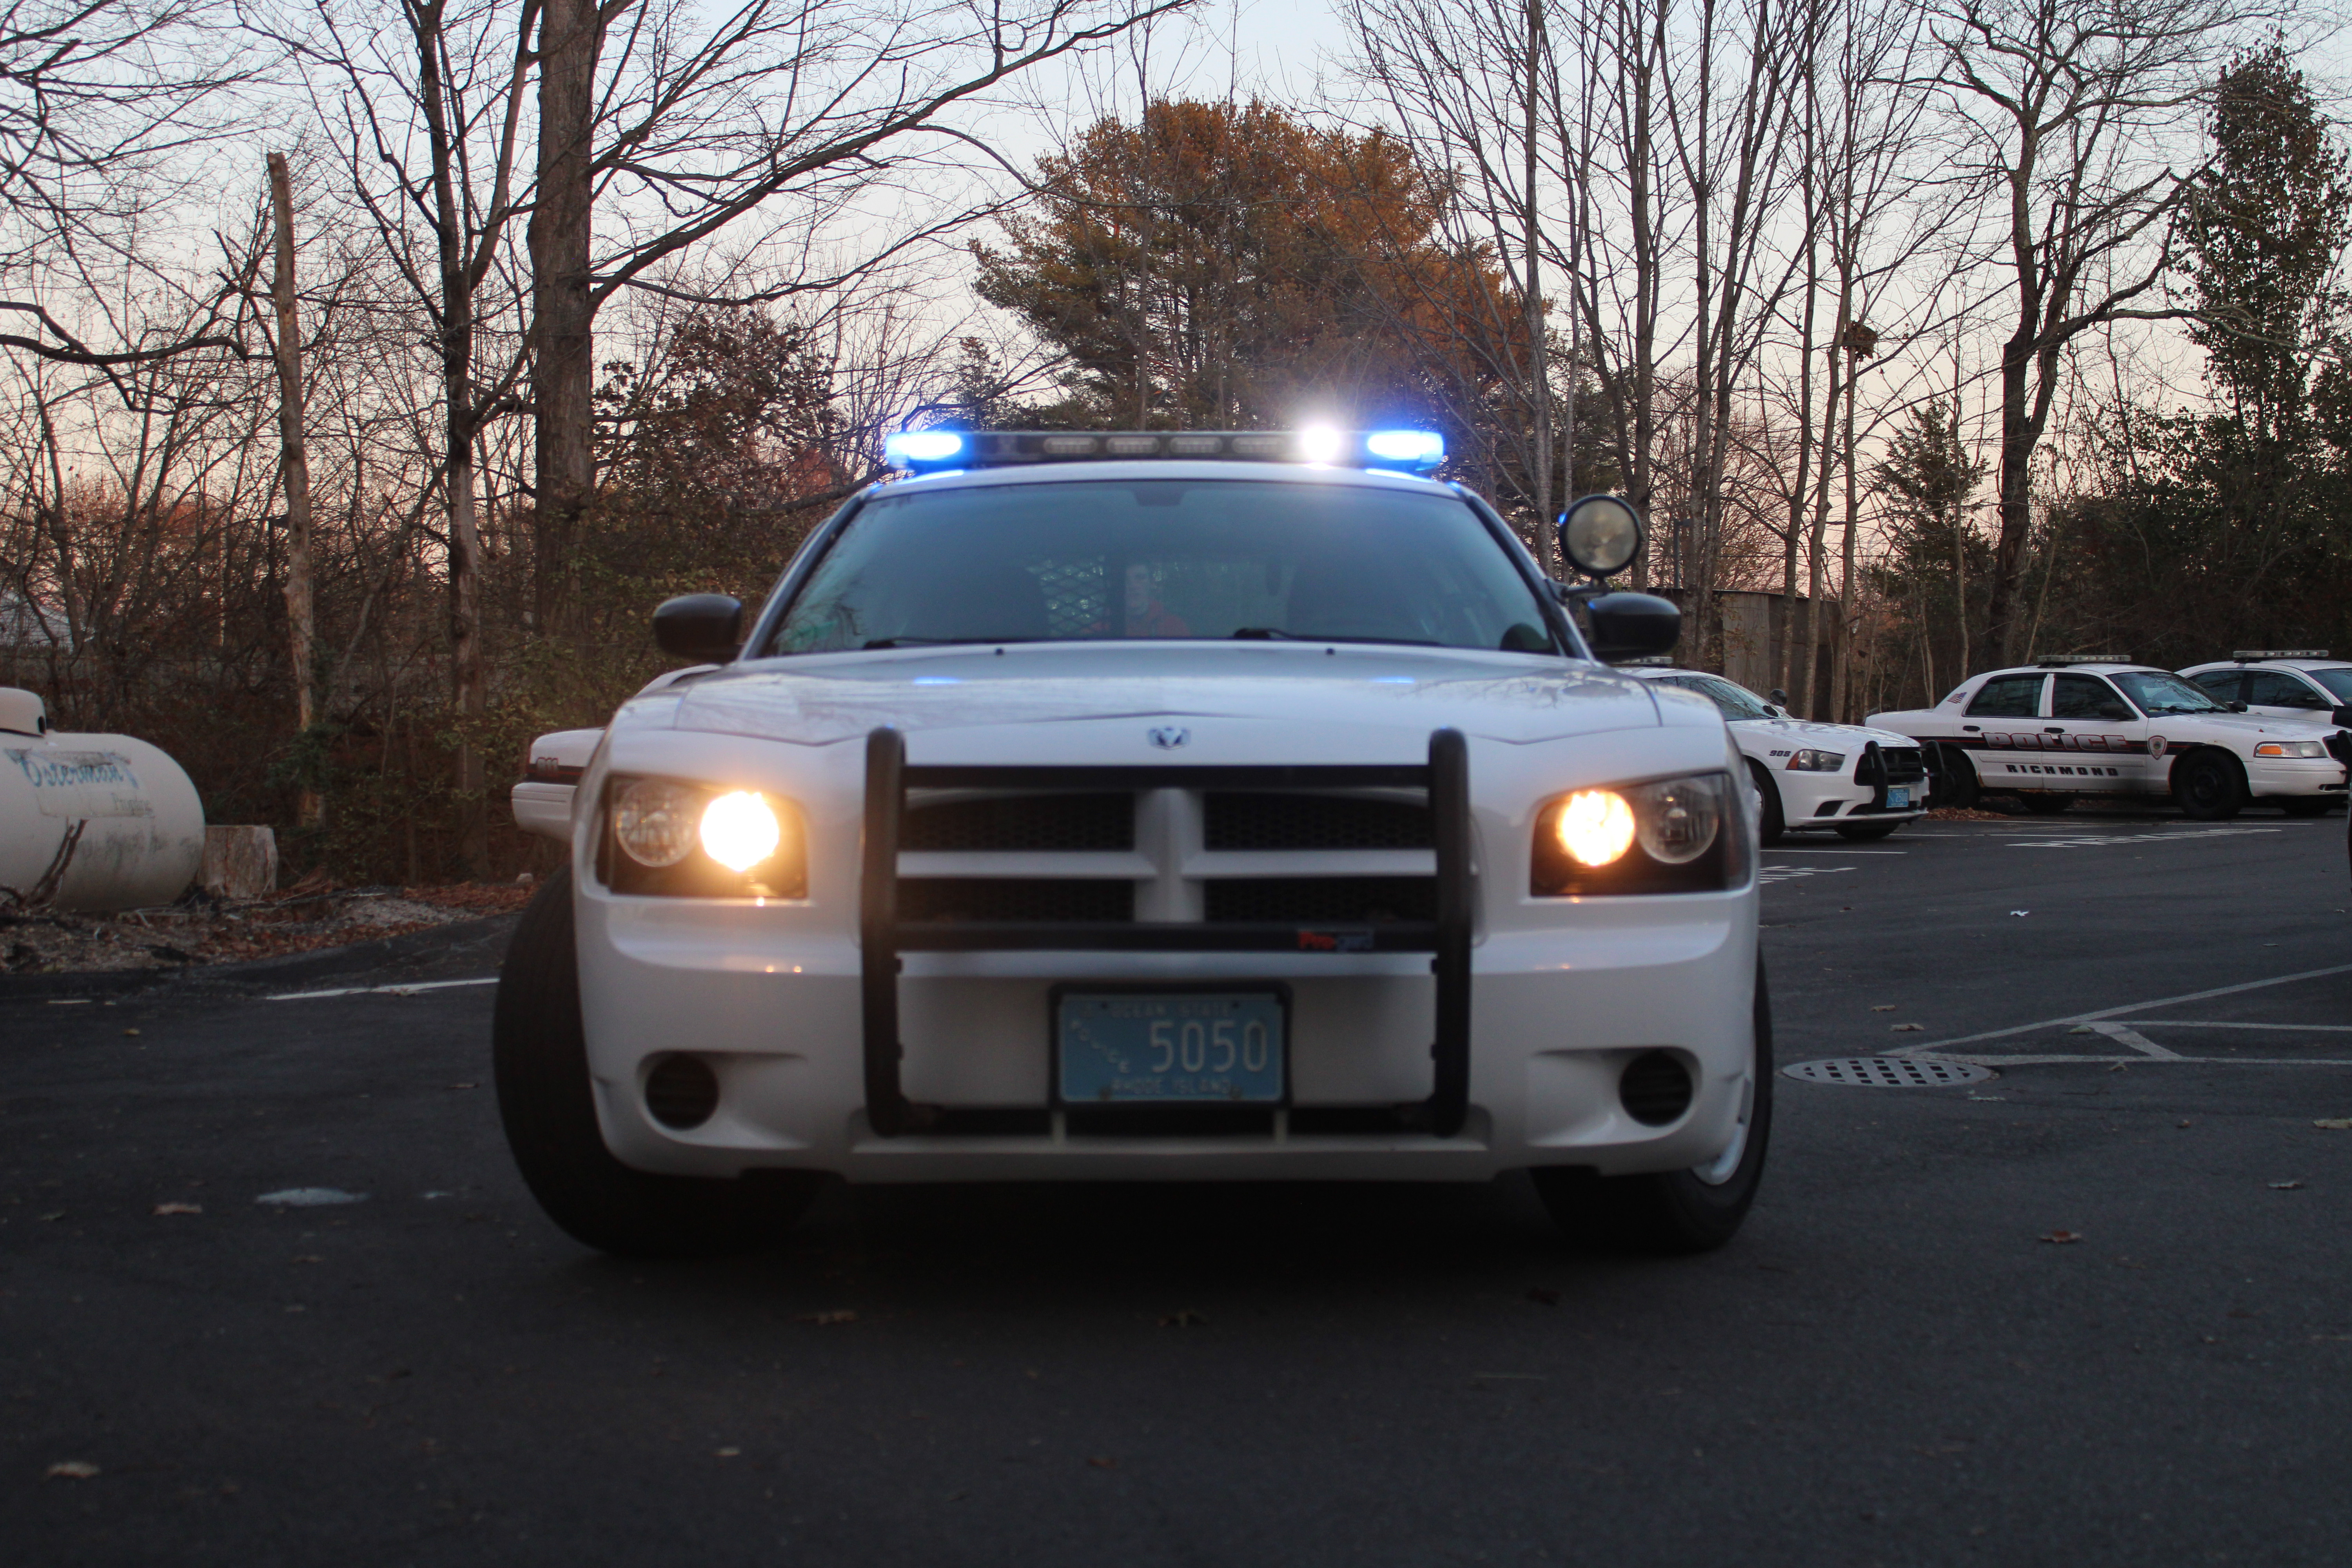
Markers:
point(924, 451)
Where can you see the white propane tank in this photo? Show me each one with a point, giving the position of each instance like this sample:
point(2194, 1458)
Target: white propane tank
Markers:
point(135, 825)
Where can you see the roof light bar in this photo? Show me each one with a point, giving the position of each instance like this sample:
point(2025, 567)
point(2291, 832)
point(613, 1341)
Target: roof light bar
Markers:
point(1413, 451)
point(2244, 654)
point(2049, 660)
point(924, 448)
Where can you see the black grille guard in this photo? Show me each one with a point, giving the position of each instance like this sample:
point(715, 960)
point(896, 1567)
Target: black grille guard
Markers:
point(883, 937)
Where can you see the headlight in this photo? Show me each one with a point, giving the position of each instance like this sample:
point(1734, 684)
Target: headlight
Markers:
point(1671, 836)
point(689, 840)
point(1817, 762)
point(2292, 748)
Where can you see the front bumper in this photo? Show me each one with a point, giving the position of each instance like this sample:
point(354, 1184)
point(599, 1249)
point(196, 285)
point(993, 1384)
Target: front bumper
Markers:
point(1491, 1038)
point(1555, 1016)
point(2269, 777)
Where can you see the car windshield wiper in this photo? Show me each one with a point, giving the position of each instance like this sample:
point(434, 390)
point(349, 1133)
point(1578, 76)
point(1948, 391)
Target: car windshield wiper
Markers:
point(1277, 634)
point(938, 642)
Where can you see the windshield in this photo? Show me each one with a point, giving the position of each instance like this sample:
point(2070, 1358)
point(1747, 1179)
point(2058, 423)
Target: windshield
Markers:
point(2337, 682)
point(1160, 559)
point(1735, 701)
point(2157, 693)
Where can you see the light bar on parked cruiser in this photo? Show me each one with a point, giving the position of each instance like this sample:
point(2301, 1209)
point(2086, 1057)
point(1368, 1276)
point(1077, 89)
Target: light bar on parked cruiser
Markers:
point(2048, 659)
point(2245, 655)
point(923, 451)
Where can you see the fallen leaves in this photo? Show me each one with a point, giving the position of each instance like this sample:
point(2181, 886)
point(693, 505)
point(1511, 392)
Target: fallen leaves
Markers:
point(727, 1453)
point(1909, 1028)
point(2284, 1186)
point(1102, 1462)
point(2061, 1238)
point(179, 1208)
point(827, 1320)
point(70, 1470)
point(309, 1197)
point(2335, 1124)
point(1882, 1007)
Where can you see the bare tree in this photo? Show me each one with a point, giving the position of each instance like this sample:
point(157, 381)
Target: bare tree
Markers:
point(2067, 116)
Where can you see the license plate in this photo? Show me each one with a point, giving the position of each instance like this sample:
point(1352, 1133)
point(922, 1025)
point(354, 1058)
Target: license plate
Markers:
point(1898, 799)
point(1172, 1047)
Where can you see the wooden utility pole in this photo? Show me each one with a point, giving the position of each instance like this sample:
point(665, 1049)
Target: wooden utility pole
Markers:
point(294, 468)
point(1538, 378)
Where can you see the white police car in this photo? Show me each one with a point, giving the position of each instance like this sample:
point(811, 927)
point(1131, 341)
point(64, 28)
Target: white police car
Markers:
point(2081, 725)
point(2279, 683)
point(1150, 806)
point(1855, 781)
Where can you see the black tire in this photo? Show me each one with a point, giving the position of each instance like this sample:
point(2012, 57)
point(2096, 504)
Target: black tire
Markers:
point(2042, 802)
point(1865, 832)
point(540, 1059)
point(2209, 785)
point(1956, 780)
point(2303, 804)
point(1770, 826)
point(1673, 1212)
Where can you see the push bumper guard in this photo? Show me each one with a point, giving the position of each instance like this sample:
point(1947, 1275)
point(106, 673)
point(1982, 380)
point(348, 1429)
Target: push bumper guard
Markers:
point(882, 936)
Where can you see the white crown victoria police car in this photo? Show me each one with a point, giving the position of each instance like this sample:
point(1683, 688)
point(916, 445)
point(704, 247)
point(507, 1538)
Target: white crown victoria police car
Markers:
point(1150, 806)
point(1858, 782)
point(2075, 726)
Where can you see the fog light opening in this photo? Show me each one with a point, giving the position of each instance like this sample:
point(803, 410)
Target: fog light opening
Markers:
point(1655, 1089)
point(681, 1092)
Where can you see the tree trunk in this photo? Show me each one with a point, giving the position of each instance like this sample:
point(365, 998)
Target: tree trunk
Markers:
point(562, 368)
point(294, 465)
point(2017, 443)
point(1538, 375)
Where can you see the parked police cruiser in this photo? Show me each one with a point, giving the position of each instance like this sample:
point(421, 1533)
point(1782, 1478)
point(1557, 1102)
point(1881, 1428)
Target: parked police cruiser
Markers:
point(1152, 807)
point(2075, 726)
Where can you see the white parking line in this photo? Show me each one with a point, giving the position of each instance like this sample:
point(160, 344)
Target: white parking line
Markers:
point(408, 990)
point(2136, 1040)
point(1997, 1060)
point(2282, 1028)
point(1771, 874)
point(1792, 849)
point(1933, 1047)
point(2094, 840)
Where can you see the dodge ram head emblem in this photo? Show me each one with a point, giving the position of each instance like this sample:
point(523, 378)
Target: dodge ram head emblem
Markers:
point(1169, 737)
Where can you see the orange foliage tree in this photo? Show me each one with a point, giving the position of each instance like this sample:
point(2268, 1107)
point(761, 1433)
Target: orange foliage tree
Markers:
point(1224, 266)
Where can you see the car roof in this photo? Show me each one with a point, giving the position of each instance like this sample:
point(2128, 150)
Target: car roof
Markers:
point(1158, 468)
point(2268, 664)
point(2070, 670)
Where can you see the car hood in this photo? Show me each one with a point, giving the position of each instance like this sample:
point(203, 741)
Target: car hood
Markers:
point(1810, 731)
point(1364, 691)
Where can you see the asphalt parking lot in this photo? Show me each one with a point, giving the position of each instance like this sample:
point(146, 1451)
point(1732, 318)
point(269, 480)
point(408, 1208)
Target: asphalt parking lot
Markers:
point(2093, 1308)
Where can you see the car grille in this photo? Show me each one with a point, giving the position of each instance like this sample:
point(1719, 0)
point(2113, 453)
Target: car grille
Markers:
point(1225, 857)
point(1905, 764)
point(1104, 820)
point(1270, 821)
point(956, 900)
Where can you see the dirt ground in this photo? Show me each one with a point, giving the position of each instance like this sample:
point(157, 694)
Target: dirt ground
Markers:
point(201, 929)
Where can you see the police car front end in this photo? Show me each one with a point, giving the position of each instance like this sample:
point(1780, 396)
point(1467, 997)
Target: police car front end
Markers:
point(1157, 806)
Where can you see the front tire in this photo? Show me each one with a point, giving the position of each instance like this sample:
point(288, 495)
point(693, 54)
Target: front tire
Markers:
point(1673, 1212)
point(540, 1059)
point(1771, 826)
point(2209, 786)
point(1956, 780)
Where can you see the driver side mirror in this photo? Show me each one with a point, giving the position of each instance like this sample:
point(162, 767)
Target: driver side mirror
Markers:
point(1633, 625)
point(1779, 698)
point(2235, 707)
point(702, 629)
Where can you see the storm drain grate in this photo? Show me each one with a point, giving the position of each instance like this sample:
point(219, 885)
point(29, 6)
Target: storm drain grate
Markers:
point(1888, 1072)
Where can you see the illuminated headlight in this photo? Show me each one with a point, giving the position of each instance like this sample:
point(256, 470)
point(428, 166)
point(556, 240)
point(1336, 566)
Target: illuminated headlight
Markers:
point(1817, 762)
point(688, 840)
point(2292, 748)
point(1670, 836)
